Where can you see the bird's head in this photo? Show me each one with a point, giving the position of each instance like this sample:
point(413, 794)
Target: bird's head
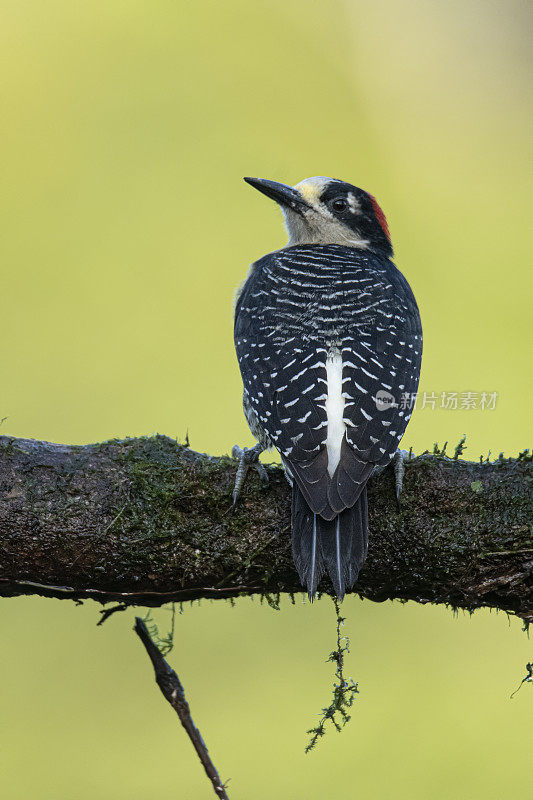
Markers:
point(328, 211)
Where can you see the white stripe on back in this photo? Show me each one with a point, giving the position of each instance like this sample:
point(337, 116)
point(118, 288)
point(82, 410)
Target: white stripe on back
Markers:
point(334, 408)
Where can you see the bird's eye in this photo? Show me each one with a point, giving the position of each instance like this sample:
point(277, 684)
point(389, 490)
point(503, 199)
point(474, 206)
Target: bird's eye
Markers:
point(339, 204)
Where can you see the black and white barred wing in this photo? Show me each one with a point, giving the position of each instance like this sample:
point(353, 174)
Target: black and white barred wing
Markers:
point(286, 393)
point(381, 365)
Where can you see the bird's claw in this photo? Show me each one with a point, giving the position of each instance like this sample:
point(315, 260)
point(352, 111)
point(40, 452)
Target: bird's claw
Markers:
point(399, 470)
point(247, 457)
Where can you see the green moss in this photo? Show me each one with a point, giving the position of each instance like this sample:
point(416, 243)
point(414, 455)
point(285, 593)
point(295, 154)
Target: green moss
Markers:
point(460, 447)
point(170, 507)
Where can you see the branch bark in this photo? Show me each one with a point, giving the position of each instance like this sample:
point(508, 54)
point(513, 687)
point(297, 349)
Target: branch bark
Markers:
point(145, 521)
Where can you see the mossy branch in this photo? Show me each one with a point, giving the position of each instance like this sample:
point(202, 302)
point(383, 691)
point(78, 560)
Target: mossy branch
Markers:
point(145, 521)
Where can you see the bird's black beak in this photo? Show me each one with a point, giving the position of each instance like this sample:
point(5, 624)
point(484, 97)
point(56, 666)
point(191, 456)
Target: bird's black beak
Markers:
point(284, 195)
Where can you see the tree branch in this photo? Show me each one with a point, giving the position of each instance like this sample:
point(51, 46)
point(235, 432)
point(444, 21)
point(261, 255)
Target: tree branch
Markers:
point(145, 521)
point(173, 692)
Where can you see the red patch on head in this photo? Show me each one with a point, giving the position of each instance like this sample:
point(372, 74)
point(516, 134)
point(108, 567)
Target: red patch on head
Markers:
point(380, 216)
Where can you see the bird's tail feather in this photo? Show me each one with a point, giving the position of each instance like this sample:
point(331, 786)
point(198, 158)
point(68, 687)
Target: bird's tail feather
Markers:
point(306, 543)
point(338, 545)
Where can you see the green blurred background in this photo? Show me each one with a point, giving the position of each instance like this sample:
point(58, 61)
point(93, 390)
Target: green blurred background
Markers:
point(126, 130)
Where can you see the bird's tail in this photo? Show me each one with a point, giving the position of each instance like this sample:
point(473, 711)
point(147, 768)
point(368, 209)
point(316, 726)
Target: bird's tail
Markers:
point(338, 546)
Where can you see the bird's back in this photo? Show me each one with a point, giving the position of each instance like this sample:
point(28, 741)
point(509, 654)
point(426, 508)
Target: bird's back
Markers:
point(328, 340)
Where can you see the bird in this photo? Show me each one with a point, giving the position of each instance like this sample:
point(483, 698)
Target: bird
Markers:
point(328, 339)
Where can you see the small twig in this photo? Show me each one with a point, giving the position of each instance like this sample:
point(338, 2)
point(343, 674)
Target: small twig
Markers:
point(173, 692)
point(107, 612)
point(528, 678)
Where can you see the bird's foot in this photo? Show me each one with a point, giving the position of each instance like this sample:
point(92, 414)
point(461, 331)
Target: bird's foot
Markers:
point(247, 457)
point(399, 470)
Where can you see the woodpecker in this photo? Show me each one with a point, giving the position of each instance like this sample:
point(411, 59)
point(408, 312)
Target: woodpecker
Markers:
point(328, 339)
